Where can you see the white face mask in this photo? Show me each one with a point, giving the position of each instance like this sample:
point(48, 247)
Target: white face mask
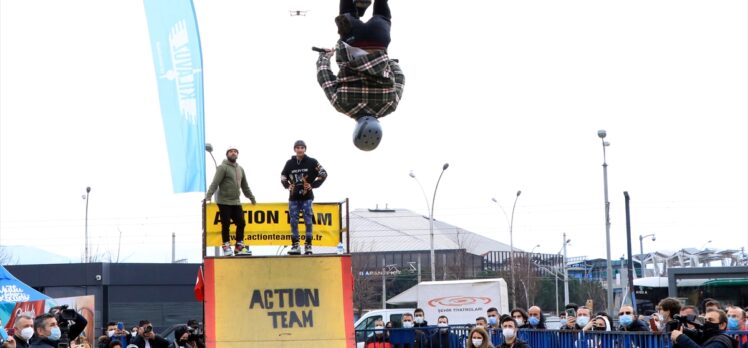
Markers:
point(477, 341)
point(378, 329)
point(520, 321)
point(134, 333)
point(407, 324)
point(110, 333)
point(508, 333)
point(443, 327)
point(26, 333)
point(419, 320)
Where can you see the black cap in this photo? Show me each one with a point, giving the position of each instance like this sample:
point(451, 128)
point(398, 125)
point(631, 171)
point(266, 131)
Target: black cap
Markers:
point(299, 143)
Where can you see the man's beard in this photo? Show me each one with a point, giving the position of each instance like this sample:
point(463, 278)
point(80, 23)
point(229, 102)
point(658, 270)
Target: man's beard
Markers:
point(232, 160)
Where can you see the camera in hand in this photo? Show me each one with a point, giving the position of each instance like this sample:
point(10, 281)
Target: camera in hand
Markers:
point(148, 329)
point(681, 323)
point(63, 315)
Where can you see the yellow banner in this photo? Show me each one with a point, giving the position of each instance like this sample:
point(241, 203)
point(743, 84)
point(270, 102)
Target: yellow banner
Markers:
point(268, 224)
point(279, 302)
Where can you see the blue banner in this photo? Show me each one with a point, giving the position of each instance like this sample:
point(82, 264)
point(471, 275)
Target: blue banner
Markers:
point(175, 44)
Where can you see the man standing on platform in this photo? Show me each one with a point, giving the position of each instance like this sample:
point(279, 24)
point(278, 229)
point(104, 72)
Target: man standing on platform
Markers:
point(300, 175)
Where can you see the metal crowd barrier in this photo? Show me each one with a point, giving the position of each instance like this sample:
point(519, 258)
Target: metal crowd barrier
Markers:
point(458, 336)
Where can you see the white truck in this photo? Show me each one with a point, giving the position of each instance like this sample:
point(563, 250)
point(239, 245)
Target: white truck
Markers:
point(460, 300)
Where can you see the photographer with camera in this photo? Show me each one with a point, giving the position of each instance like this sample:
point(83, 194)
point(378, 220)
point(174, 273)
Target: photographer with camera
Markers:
point(146, 337)
point(183, 338)
point(57, 328)
point(709, 335)
point(196, 332)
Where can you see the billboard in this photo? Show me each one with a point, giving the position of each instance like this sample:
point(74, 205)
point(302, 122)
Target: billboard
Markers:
point(268, 224)
point(279, 302)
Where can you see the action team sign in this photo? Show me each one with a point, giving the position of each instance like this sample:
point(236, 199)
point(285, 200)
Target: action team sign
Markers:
point(268, 224)
point(279, 302)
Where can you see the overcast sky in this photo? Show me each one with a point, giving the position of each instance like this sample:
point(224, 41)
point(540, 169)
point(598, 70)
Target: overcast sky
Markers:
point(510, 93)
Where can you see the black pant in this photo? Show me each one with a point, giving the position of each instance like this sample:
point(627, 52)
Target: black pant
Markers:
point(229, 213)
point(375, 32)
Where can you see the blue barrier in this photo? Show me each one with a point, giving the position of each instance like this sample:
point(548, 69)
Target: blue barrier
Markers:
point(429, 337)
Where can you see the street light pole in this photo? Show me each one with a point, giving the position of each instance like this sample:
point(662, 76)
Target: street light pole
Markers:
point(511, 250)
point(641, 250)
point(431, 223)
point(609, 276)
point(86, 260)
point(566, 274)
point(430, 209)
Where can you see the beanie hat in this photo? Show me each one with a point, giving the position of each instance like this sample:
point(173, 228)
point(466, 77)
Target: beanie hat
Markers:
point(299, 143)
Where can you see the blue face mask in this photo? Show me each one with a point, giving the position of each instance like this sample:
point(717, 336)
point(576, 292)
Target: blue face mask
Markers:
point(626, 319)
point(733, 323)
point(534, 321)
point(55, 334)
point(491, 321)
point(563, 322)
point(582, 321)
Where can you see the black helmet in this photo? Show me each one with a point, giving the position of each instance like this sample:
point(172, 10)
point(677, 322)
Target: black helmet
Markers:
point(299, 143)
point(367, 134)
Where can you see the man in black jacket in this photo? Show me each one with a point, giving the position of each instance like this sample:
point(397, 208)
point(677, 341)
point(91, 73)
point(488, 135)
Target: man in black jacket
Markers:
point(48, 332)
point(299, 176)
point(145, 333)
point(713, 333)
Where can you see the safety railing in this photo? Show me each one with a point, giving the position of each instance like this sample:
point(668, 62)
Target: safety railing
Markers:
point(457, 335)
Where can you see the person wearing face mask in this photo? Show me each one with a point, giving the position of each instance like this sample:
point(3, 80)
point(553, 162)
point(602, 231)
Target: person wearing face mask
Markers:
point(715, 323)
point(509, 331)
point(629, 320)
point(419, 319)
point(420, 339)
point(182, 338)
point(379, 339)
point(478, 338)
point(492, 316)
point(442, 338)
point(536, 318)
point(520, 316)
point(113, 333)
point(24, 329)
point(48, 333)
point(736, 322)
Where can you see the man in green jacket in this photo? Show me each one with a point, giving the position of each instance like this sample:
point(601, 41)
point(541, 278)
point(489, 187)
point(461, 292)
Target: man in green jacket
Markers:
point(229, 179)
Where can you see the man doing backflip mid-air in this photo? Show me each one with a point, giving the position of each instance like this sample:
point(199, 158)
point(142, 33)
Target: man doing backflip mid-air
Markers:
point(369, 84)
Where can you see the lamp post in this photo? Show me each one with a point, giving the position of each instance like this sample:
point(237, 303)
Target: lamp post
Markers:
point(86, 260)
point(511, 247)
point(209, 149)
point(641, 250)
point(566, 274)
point(431, 217)
point(511, 241)
point(609, 276)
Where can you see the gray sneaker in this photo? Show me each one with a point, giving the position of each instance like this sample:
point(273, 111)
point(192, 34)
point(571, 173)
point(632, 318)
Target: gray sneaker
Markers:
point(295, 250)
point(227, 250)
point(307, 249)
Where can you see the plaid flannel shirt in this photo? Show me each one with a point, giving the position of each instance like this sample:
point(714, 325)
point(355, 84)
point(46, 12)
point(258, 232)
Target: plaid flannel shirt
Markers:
point(369, 85)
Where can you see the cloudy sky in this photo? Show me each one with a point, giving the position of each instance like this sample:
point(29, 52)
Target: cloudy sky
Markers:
point(510, 93)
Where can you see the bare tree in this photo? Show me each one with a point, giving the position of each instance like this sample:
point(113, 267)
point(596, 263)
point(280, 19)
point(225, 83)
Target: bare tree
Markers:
point(6, 257)
point(366, 288)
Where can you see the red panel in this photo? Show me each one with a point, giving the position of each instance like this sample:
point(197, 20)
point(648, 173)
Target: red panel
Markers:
point(347, 275)
point(209, 305)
